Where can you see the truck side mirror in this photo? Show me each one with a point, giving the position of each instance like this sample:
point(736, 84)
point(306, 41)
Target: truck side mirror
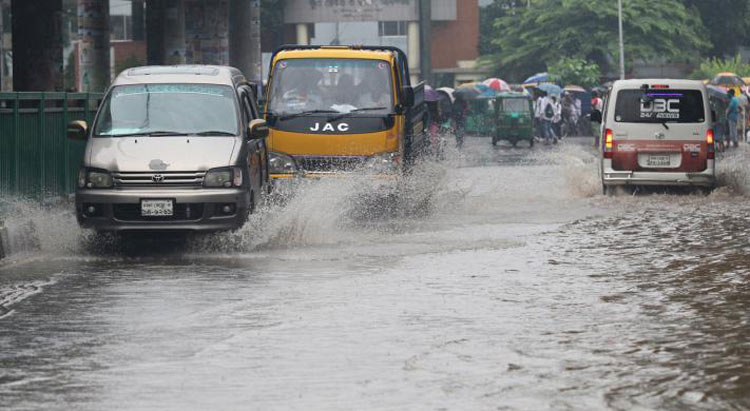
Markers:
point(78, 130)
point(257, 129)
point(407, 96)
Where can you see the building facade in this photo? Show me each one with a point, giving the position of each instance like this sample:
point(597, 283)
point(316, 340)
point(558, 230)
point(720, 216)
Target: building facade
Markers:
point(453, 31)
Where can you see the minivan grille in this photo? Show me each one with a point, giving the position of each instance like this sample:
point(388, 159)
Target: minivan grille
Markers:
point(167, 178)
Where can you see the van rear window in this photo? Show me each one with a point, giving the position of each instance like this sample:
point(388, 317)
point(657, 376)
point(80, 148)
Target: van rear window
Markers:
point(660, 106)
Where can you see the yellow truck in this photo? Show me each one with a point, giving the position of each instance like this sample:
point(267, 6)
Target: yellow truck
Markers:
point(338, 109)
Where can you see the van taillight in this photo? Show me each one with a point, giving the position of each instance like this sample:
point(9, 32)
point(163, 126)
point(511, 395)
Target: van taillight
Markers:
point(608, 143)
point(710, 143)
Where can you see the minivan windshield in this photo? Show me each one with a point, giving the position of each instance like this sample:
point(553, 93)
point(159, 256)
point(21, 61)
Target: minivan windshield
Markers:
point(330, 85)
point(660, 106)
point(168, 109)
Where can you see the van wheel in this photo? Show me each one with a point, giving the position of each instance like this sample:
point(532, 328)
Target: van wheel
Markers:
point(608, 191)
point(251, 206)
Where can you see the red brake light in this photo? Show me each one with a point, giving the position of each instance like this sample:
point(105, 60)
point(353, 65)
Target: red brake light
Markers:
point(659, 86)
point(608, 143)
point(711, 154)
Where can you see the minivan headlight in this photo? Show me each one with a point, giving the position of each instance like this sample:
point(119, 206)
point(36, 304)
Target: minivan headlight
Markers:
point(92, 178)
point(281, 164)
point(223, 177)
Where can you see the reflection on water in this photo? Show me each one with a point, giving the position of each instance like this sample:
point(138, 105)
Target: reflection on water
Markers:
point(682, 262)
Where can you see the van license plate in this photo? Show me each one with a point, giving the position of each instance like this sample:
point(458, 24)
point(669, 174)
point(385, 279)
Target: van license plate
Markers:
point(658, 160)
point(157, 208)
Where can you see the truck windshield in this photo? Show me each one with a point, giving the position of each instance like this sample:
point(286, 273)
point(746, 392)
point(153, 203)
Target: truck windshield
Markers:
point(659, 106)
point(168, 109)
point(335, 85)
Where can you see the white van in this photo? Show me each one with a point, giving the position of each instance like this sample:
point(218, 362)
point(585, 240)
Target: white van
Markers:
point(657, 132)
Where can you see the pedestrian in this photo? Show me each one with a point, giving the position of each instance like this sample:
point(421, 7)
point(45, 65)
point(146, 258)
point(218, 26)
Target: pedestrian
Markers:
point(538, 132)
point(547, 111)
point(733, 115)
point(460, 112)
point(557, 119)
point(597, 104)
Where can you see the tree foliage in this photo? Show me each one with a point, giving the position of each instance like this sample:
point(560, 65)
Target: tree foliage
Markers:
point(712, 66)
point(727, 21)
point(571, 70)
point(532, 38)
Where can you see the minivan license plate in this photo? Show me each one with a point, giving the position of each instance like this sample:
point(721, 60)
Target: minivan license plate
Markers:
point(157, 208)
point(658, 160)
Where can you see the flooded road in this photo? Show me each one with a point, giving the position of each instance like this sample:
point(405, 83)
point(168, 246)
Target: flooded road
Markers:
point(504, 281)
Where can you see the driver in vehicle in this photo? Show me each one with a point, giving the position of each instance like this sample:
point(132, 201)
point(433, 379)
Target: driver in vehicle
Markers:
point(306, 96)
point(376, 93)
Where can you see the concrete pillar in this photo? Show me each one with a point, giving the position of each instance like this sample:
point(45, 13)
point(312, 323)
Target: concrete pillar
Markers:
point(302, 34)
point(174, 32)
point(413, 54)
point(37, 45)
point(2, 56)
point(425, 19)
point(93, 34)
point(155, 32)
point(244, 37)
point(139, 29)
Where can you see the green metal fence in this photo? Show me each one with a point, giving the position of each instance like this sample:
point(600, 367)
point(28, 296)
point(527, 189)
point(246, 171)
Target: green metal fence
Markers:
point(36, 158)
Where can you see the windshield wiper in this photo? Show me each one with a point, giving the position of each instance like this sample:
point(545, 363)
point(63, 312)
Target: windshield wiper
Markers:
point(664, 123)
point(305, 113)
point(147, 134)
point(356, 110)
point(214, 133)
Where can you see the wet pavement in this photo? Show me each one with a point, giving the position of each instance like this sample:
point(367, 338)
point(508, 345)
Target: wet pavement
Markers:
point(504, 280)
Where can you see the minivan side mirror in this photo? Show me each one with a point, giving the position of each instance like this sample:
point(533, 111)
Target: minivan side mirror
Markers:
point(78, 130)
point(257, 129)
point(407, 96)
point(713, 116)
point(596, 116)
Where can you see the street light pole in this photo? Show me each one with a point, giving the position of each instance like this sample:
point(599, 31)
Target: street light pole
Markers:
point(622, 43)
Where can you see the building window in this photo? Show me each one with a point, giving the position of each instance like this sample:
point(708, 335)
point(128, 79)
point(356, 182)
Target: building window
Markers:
point(391, 28)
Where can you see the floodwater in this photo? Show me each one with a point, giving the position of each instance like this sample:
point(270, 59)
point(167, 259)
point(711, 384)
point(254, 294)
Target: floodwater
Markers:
point(502, 280)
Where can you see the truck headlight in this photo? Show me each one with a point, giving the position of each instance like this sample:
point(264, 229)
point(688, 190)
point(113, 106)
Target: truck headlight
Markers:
point(94, 178)
point(223, 177)
point(383, 163)
point(281, 164)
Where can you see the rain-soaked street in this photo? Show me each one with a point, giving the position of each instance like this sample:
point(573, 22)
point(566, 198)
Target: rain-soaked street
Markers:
point(504, 281)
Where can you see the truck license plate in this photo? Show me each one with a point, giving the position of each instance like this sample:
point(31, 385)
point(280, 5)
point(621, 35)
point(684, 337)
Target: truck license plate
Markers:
point(658, 160)
point(157, 208)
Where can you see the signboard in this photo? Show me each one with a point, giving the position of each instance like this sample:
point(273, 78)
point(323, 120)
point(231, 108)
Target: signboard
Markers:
point(329, 11)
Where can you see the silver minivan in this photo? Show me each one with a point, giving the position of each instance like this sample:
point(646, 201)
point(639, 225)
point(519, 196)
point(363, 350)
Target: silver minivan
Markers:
point(173, 148)
point(657, 132)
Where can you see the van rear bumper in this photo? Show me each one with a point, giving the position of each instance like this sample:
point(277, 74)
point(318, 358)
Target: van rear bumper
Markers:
point(194, 210)
point(611, 177)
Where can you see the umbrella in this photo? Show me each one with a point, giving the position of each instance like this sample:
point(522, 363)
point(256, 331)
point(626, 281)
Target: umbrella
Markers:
point(430, 94)
point(471, 91)
point(717, 92)
point(550, 89)
point(537, 78)
point(448, 91)
point(575, 89)
point(496, 84)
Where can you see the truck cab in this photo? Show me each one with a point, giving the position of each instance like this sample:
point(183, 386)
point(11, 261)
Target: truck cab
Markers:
point(339, 109)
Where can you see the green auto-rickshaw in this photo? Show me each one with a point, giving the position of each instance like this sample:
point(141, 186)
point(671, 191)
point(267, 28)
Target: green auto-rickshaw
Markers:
point(514, 116)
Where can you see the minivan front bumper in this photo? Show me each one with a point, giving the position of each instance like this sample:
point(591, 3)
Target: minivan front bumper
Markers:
point(194, 209)
point(611, 177)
